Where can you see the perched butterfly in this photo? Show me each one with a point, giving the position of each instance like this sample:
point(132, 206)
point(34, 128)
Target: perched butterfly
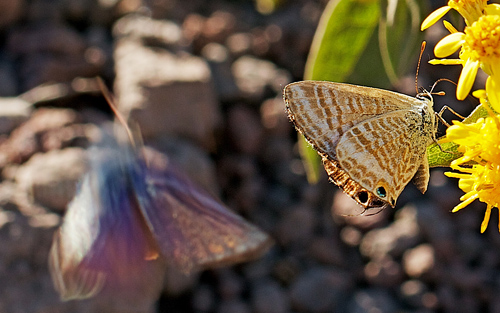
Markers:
point(132, 214)
point(372, 141)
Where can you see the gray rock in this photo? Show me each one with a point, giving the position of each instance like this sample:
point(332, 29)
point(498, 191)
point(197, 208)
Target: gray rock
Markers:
point(51, 178)
point(373, 300)
point(10, 12)
point(253, 75)
point(245, 130)
point(13, 112)
point(321, 290)
point(419, 260)
point(270, 297)
point(162, 92)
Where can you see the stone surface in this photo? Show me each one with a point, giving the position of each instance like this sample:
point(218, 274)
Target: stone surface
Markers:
point(52, 52)
point(163, 92)
point(13, 112)
point(26, 139)
point(51, 178)
point(419, 260)
point(320, 290)
point(204, 79)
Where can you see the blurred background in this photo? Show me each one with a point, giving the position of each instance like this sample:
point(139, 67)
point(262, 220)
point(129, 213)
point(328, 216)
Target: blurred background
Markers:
point(202, 81)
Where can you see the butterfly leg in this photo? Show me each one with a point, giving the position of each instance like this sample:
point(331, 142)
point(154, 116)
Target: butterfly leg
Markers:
point(440, 117)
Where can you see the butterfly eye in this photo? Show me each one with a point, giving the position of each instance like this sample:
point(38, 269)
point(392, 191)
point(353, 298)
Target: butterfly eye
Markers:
point(381, 192)
point(362, 196)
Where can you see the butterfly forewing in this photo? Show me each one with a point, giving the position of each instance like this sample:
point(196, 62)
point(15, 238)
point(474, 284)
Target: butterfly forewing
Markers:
point(104, 244)
point(193, 230)
point(323, 111)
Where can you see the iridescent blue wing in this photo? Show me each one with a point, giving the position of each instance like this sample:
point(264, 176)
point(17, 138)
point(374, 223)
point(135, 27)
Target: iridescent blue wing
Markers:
point(104, 243)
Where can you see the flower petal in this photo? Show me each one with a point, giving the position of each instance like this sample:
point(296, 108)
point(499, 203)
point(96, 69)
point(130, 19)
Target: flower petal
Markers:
point(467, 77)
point(492, 9)
point(486, 219)
point(449, 44)
point(465, 203)
point(493, 92)
point(446, 61)
point(450, 27)
point(434, 17)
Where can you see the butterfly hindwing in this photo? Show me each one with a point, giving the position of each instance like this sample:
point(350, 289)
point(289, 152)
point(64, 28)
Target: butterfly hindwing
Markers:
point(383, 164)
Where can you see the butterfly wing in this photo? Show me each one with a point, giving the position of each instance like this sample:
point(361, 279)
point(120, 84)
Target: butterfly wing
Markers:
point(324, 111)
point(383, 153)
point(192, 229)
point(104, 243)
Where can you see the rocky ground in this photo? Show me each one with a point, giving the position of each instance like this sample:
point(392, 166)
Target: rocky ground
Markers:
point(202, 82)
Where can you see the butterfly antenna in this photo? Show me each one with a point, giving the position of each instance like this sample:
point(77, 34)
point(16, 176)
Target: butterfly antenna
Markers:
point(422, 48)
point(111, 102)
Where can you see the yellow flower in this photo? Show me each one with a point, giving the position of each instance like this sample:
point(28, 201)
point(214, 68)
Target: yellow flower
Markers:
point(493, 93)
point(471, 10)
point(480, 46)
point(479, 167)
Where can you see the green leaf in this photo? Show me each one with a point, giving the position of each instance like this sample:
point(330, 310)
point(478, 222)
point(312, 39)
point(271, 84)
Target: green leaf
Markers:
point(342, 35)
point(311, 159)
point(442, 158)
point(444, 155)
point(400, 37)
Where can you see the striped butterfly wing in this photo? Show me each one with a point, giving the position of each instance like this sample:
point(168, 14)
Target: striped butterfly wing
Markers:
point(330, 113)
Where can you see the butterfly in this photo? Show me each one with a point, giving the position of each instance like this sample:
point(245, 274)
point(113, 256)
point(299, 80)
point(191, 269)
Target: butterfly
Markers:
point(372, 142)
point(132, 215)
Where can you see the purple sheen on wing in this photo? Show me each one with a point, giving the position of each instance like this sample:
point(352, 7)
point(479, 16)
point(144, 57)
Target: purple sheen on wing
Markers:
point(104, 243)
point(133, 214)
point(192, 229)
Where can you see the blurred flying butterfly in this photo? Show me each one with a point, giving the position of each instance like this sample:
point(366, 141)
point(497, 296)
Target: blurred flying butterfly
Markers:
point(132, 213)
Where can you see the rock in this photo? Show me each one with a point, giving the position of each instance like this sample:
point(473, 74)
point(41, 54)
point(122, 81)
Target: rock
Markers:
point(233, 306)
point(10, 12)
point(13, 112)
point(345, 209)
point(372, 300)
point(9, 84)
point(383, 272)
point(394, 239)
point(296, 227)
point(416, 293)
point(320, 290)
point(26, 139)
point(192, 160)
point(203, 298)
point(47, 37)
point(253, 76)
point(164, 93)
point(245, 130)
point(52, 52)
point(51, 178)
point(273, 118)
point(419, 260)
point(269, 297)
point(230, 284)
point(327, 250)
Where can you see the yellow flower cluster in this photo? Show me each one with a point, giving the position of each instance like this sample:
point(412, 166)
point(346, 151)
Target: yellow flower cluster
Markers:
point(479, 44)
